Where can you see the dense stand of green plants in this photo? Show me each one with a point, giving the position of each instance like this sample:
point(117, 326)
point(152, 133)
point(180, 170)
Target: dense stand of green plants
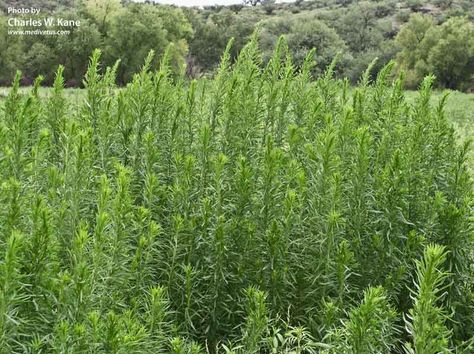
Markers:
point(441, 41)
point(263, 211)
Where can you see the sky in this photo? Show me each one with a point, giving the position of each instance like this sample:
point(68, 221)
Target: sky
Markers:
point(202, 2)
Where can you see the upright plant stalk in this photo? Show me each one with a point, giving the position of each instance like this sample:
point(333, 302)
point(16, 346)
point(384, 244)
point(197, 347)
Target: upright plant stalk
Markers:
point(426, 322)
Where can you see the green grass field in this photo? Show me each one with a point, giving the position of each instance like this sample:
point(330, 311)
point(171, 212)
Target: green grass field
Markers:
point(460, 112)
point(73, 95)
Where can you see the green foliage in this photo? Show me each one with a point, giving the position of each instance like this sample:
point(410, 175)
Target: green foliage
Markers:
point(73, 50)
point(304, 33)
point(213, 31)
point(370, 327)
point(256, 322)
point(359, 27)
point(452, 58)
point(148, 28)
point(414, 44)
point(103, 12)
point(195, 37)
point(263, 210)
point(102, 26)
point(38, 60)
point(426, 321)
point(446, 50)
point(11, 51)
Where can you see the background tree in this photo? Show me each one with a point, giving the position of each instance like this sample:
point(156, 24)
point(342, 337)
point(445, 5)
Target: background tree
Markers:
point(414, 46)
point(269, 6)
point(208, 42)
point(38, 61)
point(452, 58)
point(147, 27)
point(252, 2)
point(10, 53)
point(74, 49)
point(358, 27)
point(304, 33)
point(446, 50)
point(307, 34)
point(212, 31)
point(103, 12)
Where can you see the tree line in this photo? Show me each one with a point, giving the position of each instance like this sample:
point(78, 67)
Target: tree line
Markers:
point(424, 37)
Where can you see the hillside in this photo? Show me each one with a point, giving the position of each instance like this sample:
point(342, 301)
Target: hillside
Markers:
point(42, 4)
point(359, 30)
